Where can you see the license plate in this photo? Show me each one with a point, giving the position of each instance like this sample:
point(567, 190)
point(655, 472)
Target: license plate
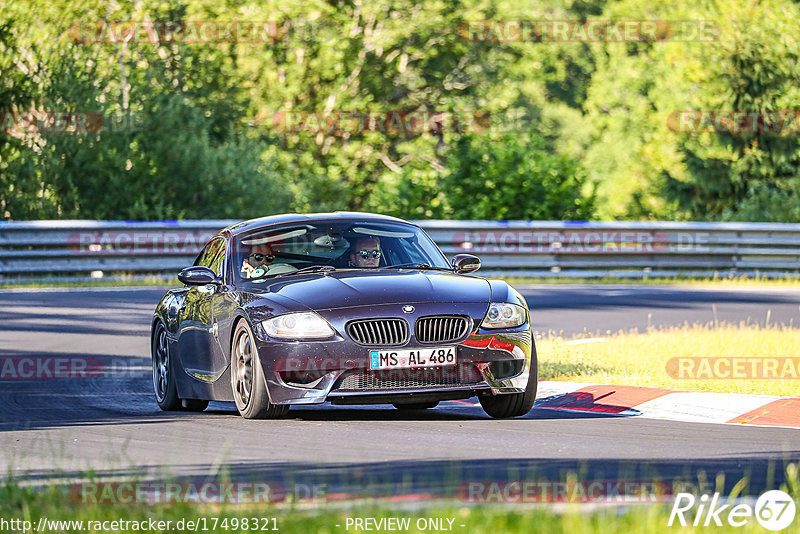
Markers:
point(402, 359)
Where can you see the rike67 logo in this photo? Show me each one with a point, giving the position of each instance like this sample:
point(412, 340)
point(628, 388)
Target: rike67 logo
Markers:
point(774, 510)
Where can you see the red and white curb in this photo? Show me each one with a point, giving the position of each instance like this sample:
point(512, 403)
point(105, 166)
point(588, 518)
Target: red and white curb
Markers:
point(763, 410)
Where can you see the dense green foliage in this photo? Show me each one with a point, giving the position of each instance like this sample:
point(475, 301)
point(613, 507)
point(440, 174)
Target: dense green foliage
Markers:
point(570, 130)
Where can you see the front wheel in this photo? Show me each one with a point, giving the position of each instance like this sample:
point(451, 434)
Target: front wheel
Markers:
point(247, 378)
point(514, 404)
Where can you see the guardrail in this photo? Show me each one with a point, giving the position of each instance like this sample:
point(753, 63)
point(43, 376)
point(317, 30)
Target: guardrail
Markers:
point(78, 250)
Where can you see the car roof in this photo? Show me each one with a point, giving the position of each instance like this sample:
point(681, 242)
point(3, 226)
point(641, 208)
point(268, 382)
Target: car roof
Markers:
point(251, 224)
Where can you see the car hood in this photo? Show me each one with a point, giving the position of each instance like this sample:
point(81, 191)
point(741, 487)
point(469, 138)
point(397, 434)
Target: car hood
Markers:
point(368, 288)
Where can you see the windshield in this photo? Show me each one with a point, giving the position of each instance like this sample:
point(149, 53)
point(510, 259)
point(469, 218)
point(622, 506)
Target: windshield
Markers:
point(284, 249)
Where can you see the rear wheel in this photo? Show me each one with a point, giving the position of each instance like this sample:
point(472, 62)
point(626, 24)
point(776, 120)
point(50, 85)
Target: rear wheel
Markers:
point(416, 405)
point(247, 378)
point(163, 377)
point(514, 404)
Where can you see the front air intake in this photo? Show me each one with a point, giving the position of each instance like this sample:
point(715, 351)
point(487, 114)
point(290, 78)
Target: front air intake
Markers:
point(441, 328)
point(379, 332)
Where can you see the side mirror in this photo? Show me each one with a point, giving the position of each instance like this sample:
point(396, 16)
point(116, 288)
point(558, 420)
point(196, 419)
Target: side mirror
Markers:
point(466, 263)
point(198, 276)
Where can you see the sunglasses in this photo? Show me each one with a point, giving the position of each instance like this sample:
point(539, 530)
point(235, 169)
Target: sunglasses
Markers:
point(367, 253)
point(262, 257)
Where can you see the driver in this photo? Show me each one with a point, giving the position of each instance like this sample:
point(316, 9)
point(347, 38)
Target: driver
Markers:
point(260, 258)
point(366, 253)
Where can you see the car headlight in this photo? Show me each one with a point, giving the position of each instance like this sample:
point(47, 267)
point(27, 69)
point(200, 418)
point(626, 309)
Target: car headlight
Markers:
point(304, 325)
point(504, 315)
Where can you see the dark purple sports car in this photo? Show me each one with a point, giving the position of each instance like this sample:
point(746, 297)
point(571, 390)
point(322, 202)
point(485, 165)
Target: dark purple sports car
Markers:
point(348, 308)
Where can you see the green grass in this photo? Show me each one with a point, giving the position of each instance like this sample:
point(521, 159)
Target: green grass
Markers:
point(642, 358)
point(737, 281)
point(150, 281)
point(54, 503)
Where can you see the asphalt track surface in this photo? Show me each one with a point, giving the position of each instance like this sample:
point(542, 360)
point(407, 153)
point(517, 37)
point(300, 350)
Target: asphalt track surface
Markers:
point(112, 425)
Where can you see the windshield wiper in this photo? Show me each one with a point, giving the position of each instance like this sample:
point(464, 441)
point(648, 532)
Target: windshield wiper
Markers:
point(419, 266)
point(310, 269)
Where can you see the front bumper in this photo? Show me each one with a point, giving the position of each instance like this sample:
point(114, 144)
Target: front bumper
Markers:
point(487, 363)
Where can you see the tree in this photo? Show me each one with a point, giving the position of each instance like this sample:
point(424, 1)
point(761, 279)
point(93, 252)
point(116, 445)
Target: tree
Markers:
point(171, 143)
point(753, 174)
point(515, 177)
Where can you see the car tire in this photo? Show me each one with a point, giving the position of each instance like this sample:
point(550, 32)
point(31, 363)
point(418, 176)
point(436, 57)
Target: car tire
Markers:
point(514, 404)
point(166, 390)
point(247, 378)
point(416, 405)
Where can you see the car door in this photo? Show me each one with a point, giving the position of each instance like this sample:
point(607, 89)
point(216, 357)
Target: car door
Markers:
point(199, 351)
point(223, 306)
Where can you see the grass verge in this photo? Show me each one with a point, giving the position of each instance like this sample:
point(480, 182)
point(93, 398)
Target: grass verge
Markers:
point(149, 281)
point(51, 510)
point(736, 281)
point(643, 358)
point(138, 280)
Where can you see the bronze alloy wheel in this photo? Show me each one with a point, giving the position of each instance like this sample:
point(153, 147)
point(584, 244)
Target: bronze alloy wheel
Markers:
point(247, 378)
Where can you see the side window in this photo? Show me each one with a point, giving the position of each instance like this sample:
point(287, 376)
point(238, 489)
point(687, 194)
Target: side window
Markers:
point(213, 256)
point(218, 260)
point(205, 255)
